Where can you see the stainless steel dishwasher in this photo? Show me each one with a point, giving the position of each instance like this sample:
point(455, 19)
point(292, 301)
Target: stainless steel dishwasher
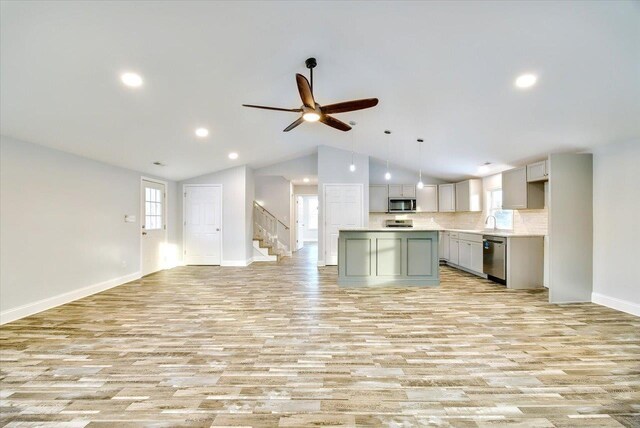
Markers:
point(494, 258)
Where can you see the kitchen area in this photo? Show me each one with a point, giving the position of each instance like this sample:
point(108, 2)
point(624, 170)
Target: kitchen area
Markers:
point(493, 227)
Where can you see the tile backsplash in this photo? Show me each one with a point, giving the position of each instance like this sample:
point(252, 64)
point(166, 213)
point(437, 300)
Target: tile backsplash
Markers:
point(524, 221)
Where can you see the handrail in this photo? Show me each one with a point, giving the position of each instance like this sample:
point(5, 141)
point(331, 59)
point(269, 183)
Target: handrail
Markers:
point(268, 212)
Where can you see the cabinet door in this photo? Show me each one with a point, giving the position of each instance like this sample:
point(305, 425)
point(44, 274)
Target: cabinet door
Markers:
point(427, 198)
point(453, 250)
point(446, 198)
point(464, 254)
point(408, 191)
point(395, 190)
point(514, 188)
point(476, 257)
point(445, 246)
point(537, 171)
point(378, 198)
point(462, 196)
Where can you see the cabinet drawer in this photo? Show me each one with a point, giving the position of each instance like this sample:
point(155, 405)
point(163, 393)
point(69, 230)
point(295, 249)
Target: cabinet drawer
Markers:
point(471, 237)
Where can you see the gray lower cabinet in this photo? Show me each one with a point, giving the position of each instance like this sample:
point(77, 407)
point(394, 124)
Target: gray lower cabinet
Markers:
point(378, 258)
point(454, 250)
point(445, 246)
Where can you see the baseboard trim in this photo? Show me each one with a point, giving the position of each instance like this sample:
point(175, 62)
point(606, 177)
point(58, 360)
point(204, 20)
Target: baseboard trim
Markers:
point(237, 263)
point(54, 301)
point(321, 263)
point(617, 304)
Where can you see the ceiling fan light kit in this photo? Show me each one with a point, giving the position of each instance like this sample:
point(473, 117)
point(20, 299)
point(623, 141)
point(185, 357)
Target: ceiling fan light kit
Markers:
point(314, 112)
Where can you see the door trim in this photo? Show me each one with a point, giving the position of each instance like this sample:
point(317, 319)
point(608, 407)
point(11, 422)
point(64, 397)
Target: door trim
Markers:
point(324, 215)
point(165, 213)
point(184, 221)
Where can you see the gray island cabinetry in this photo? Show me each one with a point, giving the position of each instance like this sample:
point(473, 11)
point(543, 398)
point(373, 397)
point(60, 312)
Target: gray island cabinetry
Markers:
point(383, 257)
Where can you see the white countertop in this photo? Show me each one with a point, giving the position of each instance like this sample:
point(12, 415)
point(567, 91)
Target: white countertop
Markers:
point(427, 229)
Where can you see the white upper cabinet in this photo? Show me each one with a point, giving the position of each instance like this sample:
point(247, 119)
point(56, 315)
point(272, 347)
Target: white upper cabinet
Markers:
point(538, 171)
point(446, 197)
point(408, 190)
point(402, 191)
point(378, 198)
point(395, 190)
point(427, 198)
point(518, 193)
point(469, 195)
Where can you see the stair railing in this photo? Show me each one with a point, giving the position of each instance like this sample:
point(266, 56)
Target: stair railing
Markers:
point(268, 228)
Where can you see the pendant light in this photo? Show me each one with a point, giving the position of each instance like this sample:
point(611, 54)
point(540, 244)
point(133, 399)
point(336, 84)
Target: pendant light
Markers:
point(352, 167)
point(387, 175)
point(420, 183)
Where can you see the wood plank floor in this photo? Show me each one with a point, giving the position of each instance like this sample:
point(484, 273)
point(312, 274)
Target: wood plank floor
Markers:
point(282, 345)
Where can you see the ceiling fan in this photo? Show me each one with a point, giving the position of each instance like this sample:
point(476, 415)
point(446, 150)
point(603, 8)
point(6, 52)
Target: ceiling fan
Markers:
point(314, 112)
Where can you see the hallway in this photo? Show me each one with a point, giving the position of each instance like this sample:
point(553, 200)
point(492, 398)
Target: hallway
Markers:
point(281, 344)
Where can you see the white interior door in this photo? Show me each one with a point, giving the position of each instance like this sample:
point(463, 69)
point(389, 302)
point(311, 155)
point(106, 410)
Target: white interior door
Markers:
point(342, 208)
point(202, 225)
point(154, 229)
point(300, 222)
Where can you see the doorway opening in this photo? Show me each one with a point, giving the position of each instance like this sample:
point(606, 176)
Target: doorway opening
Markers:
point(306, 220)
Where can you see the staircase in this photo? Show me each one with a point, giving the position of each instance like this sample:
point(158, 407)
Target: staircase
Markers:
point(267, 247)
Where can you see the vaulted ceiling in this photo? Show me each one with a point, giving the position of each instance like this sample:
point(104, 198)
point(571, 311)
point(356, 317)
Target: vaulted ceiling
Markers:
point(443, 71)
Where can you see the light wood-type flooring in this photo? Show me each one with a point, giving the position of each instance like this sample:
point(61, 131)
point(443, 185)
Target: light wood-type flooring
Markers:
point(282, 345)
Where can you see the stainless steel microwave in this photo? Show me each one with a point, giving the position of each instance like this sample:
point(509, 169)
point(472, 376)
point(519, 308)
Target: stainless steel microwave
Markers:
point(402, 205)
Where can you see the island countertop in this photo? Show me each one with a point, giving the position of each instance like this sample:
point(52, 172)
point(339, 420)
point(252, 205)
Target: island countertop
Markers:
point(501, 233)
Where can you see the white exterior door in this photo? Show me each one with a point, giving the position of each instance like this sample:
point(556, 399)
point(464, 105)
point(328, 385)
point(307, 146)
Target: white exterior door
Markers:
point(342, 208)
point(300, 222)
point(154, 230)
point(202, 225)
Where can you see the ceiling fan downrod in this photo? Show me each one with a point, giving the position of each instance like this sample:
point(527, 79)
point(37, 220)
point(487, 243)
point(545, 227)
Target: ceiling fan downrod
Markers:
point(311, 64)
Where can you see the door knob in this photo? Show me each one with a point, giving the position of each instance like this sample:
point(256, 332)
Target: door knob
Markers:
point(144, 233)
point(217, 229)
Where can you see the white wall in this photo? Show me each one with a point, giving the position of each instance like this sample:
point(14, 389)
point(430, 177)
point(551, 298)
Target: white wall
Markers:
point(274, 194)
point(62, 229)
point(249, 197)
point(333, 167)
point(399, 174)
point(616, 228)
point(237, 197)
point(303, 166)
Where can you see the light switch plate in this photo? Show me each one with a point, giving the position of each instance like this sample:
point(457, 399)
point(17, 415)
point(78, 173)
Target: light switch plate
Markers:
point(128, 218)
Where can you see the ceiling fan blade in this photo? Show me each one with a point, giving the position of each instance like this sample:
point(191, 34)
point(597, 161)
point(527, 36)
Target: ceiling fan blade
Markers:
point(334, 123)
point(305, 91)
point(297, 110)
point(350, 106)
point(294, 124)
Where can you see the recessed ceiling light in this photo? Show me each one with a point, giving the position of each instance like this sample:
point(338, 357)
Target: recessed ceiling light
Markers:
point(202, 132)
point(233, 155)
point(306, 180)
point(387, 176)
point(132, 80)
point(526, 81)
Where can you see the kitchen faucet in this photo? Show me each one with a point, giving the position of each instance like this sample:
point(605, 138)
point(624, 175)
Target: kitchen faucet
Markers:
point(486, 222)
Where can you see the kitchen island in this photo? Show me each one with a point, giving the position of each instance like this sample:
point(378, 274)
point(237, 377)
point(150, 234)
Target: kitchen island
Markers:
point(373, 257)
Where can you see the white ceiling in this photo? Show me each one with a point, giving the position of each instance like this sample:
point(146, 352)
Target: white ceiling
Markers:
point(443, 71)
